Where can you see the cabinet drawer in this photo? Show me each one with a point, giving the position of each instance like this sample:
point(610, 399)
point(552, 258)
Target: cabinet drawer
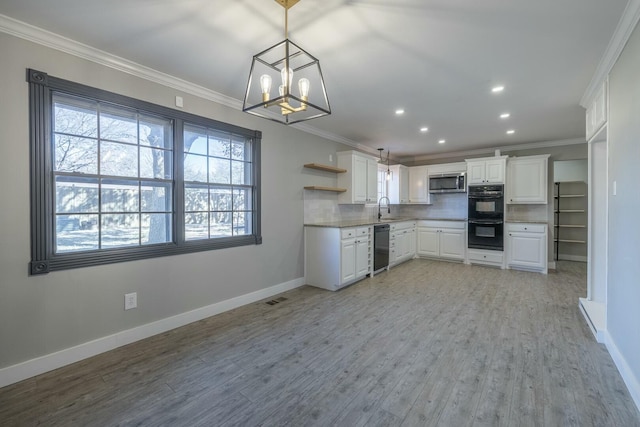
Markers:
point(485, 256)
point(347, 233)
point(362, 231)
point(527, 228)
point(402, 225)
point(459, 225)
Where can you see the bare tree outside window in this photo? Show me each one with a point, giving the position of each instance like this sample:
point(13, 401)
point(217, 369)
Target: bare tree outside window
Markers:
point(119, 179)
point(113, 171)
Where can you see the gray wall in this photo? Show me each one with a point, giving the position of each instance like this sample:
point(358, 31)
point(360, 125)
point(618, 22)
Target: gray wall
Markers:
point(570, 170)
point(623, 293)
point(41, 315)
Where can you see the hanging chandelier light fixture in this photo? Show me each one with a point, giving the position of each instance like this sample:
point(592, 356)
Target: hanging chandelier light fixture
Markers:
point(301, 94)
point(388, 173)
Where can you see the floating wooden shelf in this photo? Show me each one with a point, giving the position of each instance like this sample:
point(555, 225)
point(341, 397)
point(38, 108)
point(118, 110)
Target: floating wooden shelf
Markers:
point(319, 188)
point(325, 168)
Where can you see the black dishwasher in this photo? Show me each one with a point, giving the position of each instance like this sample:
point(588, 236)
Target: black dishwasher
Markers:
point(380, 247)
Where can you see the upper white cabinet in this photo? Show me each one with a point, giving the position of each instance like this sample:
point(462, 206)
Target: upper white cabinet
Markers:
point(527, 180)
point(399, 185)
point(360, 180)
point(597, 112)
point(419, 185)
point(490, 170)
point(447, 168)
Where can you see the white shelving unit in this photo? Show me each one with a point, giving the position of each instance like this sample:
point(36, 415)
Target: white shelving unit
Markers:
point(570, 214)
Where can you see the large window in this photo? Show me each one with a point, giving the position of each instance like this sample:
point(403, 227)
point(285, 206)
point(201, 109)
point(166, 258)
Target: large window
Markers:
point(116, 179)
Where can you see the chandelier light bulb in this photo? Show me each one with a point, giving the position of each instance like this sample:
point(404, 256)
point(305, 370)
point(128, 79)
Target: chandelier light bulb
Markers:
point(303, 85)
point(265, 85)
point(287, 78)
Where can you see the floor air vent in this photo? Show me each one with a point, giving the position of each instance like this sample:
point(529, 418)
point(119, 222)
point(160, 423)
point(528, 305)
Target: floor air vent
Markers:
point(276, 301)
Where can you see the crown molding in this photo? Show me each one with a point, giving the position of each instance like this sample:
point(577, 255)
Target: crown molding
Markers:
point(491, 150)
point(54, 41)
point(626, 25)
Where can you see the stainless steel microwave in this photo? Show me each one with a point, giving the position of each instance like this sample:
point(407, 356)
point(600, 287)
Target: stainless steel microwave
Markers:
point(448, 183)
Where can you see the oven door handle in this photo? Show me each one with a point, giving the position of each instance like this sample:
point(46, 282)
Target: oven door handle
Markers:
point(490, 197)
point(485, 222)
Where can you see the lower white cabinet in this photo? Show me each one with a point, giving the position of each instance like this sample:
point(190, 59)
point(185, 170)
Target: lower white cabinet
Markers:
point(442, 239)
point(486, 257)
point(337, 257)
point(402, 242)
point(526, 246)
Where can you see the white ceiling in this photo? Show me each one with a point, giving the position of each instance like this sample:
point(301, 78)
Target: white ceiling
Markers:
point(437, 59)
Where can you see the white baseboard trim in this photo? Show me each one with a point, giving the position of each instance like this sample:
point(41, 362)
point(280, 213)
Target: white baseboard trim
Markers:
point(633, 384)
point(595, 315)
point(31, 368)
point(578, 258)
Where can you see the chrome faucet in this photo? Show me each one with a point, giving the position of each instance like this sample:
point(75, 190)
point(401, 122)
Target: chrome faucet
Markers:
point(388, 206)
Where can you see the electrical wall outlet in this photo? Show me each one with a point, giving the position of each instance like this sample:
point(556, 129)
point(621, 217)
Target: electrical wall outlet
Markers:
point(130, 300)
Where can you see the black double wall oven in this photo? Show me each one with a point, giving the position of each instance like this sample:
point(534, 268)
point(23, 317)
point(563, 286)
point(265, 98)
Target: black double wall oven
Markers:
point(486, 217)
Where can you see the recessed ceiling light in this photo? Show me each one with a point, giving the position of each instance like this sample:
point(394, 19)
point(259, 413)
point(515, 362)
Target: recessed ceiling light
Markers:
point(497, 89)
point(399, 111)
point(505, 115)
point(511, 132)
point(424, 129)
point(442, 141)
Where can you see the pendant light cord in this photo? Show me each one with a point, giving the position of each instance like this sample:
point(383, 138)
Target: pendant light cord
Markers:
point(286, 23)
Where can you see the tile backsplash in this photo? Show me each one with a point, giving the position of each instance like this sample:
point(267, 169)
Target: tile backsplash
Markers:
point(527, 213)
point(322, 207)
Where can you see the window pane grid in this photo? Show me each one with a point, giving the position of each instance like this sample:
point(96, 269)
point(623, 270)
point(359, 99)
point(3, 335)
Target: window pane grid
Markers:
point(107, 184)
point(217, 166)
point(127, 205)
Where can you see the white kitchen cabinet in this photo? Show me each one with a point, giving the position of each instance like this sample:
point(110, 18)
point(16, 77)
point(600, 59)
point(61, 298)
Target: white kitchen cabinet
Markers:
point(527, 180)
point(347, 260)
point(363, 259)
point(447, 168)
point(526, 246)
point(398, 189)
point(486, 257)
point(419, 185)
point(360, 180)
point(337, 257)
point(428, 242)
point(490, 170)
point(441, 239)
point(402, 242)
point(597, 113)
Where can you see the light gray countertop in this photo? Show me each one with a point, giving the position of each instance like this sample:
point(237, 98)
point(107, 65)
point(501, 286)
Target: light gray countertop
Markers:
point(524, 221)
point(366, 222)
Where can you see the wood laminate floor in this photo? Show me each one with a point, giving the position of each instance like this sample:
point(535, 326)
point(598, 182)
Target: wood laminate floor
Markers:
point(426, 344)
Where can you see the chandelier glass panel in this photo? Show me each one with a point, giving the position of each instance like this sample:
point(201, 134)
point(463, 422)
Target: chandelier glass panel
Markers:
point(286, 83)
